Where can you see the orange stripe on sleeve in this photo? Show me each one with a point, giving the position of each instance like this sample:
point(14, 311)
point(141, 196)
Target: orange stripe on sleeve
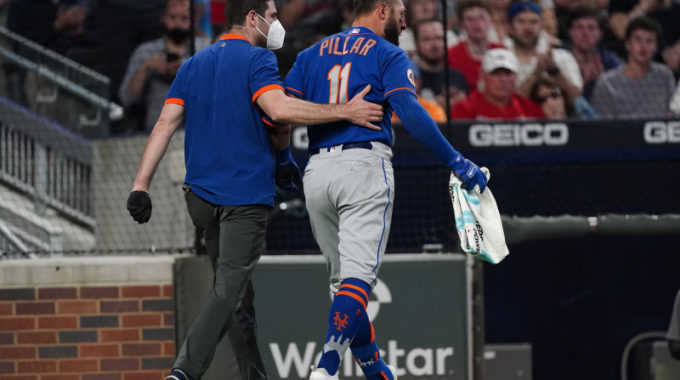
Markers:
point(174, 101)
point(294, 90)
point(356, 297)
point(268, 123)
point(397, 89)
point(265, 89)
point(350, 286)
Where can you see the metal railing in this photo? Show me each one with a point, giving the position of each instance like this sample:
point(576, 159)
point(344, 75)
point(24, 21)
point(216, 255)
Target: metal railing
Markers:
point(49, 164)
point(85, 86)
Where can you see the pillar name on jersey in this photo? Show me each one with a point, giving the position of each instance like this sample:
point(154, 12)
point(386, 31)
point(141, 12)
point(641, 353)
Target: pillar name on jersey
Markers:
point(292, 362)
point(331, 46)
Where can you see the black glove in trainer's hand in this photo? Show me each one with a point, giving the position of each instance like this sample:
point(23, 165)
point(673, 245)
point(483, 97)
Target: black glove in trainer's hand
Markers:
point(287, 174)
point(139, 205)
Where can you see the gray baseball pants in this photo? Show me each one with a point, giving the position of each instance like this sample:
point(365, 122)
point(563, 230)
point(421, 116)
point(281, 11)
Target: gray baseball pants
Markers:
point(350, 196)
point(234, 239)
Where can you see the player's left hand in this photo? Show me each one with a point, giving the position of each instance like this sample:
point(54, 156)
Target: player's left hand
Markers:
point(470, 174)
point(287, 174)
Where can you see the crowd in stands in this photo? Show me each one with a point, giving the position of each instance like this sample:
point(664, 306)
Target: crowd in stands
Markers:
point(484, 59)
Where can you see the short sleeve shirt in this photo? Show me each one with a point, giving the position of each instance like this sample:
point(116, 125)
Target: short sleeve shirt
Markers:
point(227, 153)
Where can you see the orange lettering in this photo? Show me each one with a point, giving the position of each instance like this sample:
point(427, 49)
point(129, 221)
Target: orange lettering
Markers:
point(369, 44)
point(357, 45)
point(324, 44)
point(336, 42)
point(344, 46)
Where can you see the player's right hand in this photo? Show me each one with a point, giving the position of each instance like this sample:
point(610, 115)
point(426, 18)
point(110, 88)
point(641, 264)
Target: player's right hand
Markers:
point(362, 113)
point(139, 206)
point(469, 173)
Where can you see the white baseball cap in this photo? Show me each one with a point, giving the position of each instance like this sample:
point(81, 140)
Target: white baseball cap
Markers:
point(499, 58)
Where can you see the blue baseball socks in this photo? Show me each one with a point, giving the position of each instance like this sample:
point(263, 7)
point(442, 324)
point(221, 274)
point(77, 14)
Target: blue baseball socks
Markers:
point(349, 326)
point(366, 352)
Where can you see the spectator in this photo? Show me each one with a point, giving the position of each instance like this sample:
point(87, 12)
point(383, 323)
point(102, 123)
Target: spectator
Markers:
point(670, 38)
point(417, 11)
point(585, 34)
point(675, 102)
point(537, 56)
point(66, 27)
point(433, 108)
point(153, 64)
point(499, 20)
point(429, 36)
point(466, 56)
point(304, 17)
point(665, 12)
point(61, 26)
point(549, 17)
point(499, 99)
point(622, 12)
point(564, 12)
point(640, 88)
point(123, 24)
point(556, 104)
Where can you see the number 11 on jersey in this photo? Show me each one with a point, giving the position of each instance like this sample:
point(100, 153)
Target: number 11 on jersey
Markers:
point(338, 77)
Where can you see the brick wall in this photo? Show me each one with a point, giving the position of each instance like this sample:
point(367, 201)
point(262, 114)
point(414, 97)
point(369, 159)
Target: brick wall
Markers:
point(86, 333)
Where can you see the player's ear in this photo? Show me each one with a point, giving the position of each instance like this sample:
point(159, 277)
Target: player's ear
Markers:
point(383, 12)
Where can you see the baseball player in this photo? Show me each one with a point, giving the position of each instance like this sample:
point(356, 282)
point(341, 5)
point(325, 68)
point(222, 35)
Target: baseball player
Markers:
point(349, 182)
point(230, 169)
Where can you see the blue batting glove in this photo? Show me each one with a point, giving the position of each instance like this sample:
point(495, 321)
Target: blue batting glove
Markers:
point(469, 173)
point(287, 175)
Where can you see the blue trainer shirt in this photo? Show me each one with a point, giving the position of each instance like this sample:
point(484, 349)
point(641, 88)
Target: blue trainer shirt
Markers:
point(337, 68)
point(226, 148)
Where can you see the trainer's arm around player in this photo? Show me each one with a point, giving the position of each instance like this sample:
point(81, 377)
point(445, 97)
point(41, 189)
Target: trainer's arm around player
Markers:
point(421, 126)
point(289, 110)
point(280, 107)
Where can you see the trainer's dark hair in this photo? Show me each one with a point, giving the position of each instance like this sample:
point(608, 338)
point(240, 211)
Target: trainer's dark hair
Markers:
point(236, 11)
point(644, 23)
point(416, 28)
point(464, 5)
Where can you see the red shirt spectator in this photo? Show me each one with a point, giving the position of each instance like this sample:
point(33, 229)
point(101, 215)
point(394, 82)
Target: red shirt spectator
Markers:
point(471, 67)
point(499, 98)
point(466, 56)
point(476, 106)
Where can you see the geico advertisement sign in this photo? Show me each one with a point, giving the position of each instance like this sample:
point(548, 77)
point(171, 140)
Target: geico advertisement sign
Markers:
point(290, 360)
point(659, 132)
point(532, 134)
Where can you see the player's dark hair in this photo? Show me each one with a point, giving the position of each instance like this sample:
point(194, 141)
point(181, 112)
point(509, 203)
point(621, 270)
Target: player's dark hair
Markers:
point(644, 23)
point(362, 7)
point(587, 11)
point(416, 28)
point(464, 5)
point(236, 11)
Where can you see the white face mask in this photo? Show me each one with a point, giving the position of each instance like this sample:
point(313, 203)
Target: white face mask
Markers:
point(276, 34)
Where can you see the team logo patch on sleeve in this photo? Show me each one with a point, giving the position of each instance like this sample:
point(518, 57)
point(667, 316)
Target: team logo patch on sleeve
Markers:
point(411, 77)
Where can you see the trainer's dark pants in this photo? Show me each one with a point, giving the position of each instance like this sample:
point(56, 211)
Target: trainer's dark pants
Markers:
point(234, 239)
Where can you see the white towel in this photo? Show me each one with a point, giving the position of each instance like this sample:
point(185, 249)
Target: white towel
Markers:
point(478, 221)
